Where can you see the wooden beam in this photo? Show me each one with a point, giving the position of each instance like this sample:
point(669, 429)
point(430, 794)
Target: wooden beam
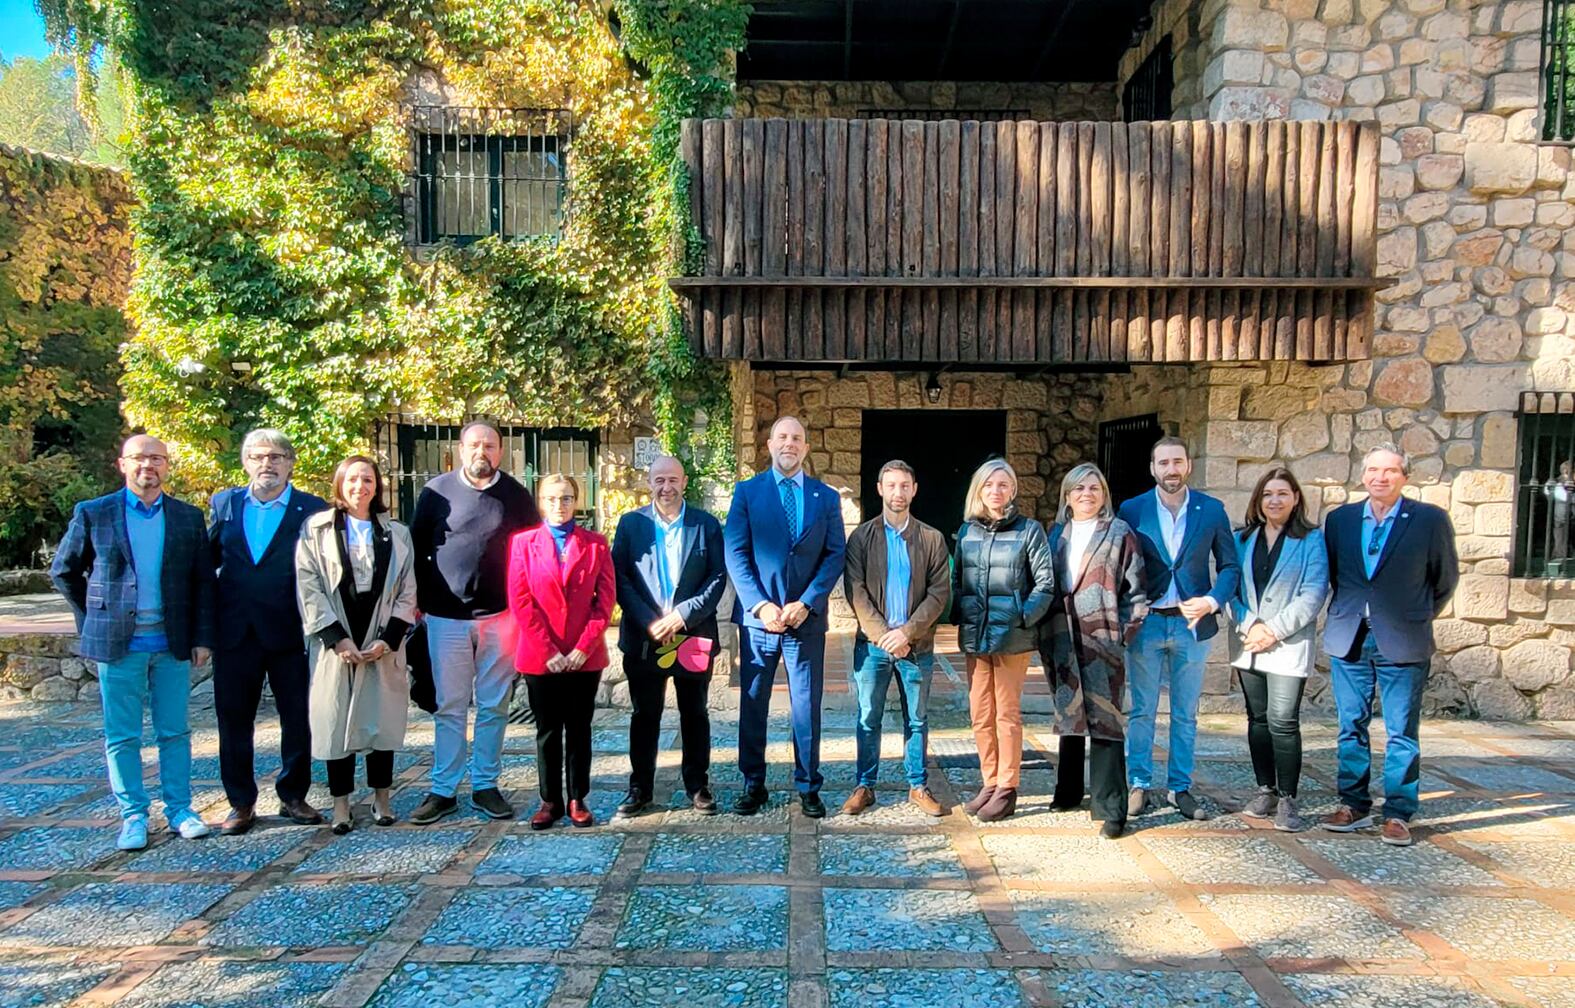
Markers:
point(686, 284)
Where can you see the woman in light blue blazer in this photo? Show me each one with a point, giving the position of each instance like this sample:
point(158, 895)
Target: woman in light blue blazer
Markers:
point(1284, 583)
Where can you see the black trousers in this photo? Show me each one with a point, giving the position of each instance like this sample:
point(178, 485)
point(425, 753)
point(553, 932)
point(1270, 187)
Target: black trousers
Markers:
point(379, 772)
point(238, 674)
point(1274, 728)
point(564, 703)
point(648, 694)
point(1107, 773)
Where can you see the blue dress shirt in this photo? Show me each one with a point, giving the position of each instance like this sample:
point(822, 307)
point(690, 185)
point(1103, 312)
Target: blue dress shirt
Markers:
point(669, 552)
point(145, 530)
point(797, 482)
point(260, 520)
point(1371, 551)
point(899, 569)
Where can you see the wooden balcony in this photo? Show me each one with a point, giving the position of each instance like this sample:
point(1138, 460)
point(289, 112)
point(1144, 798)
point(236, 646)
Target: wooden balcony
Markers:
point(1031, 242)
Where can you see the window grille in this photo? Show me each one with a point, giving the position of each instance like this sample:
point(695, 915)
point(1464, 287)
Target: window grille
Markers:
point(486, 171)
point(416, 450)
point(1146, 95)
point(1558, 70)
point(938, 115)
point(1545, 485)
point(1125, 447)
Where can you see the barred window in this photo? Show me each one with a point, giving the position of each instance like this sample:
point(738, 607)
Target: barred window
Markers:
point(1546, 488)
point(940, 115)
point(1146, 96)
point(482, 171)
point(1558, 70)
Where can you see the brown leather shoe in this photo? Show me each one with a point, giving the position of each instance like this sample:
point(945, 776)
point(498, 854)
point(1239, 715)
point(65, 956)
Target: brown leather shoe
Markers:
point(979, 801)
point(1001, 805)
point(1345, 820)
point(240, 819)
point(545, 816)
point(580, 814)
point(861, 799)
point(1396, 833)
point(926, 802)
point(299, 812)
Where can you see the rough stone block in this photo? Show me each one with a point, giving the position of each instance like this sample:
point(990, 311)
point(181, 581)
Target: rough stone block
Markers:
point(1482, 597)
point(1404, 383)
point(1484, 486)
point(56, 688)
point(1500, 167)
point(1451, 635)
point(1483, 388)
point(1475, 664)
point(1241, 439)
point(1497, 700)
point(1528, 596)
point(26, 671)
point(1304, 434)
point(1557, 704)
point(1536, 664)
point(1494, 519)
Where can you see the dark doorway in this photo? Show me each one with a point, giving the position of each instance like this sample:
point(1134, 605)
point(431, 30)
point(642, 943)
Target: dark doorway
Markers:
point(1124, 447)
point(943, 446)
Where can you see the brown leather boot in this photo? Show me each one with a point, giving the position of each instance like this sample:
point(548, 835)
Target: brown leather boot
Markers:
point(240, 819)
point(861, 799)
point(1002, 804)
point(979, 801)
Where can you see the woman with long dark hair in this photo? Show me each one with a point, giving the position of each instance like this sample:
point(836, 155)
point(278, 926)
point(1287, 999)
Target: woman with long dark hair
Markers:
point(1285, 581)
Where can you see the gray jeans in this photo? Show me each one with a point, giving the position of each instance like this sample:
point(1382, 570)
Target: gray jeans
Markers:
point(470, 659)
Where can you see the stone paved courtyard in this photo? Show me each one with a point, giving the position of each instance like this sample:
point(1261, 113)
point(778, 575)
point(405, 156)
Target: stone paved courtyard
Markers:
point(887, 909)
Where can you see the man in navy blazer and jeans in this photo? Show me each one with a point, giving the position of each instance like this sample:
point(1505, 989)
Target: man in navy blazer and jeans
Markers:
point(134, 567)
point(1393, 567)
point(253, 535)
point(1179, 529)
point(785, 544)
point(671, 574)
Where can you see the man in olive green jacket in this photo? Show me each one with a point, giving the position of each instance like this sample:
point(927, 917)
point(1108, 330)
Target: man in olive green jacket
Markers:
point(897, 577)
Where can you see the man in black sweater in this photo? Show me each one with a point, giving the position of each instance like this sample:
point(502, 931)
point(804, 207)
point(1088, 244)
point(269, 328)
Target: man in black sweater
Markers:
point(461, 530)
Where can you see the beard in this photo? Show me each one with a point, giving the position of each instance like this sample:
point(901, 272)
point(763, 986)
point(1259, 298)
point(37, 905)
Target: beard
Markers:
point(479, 469)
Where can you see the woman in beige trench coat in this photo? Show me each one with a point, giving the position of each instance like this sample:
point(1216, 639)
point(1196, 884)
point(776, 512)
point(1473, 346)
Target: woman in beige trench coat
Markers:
point(357, 593)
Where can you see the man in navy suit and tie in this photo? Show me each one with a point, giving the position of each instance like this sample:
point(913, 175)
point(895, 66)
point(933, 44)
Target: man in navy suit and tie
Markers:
point(785, 544)
point(133, 565)
point(253, 536)
point(668, 560)
point(1393, 567)
point(1179, 530)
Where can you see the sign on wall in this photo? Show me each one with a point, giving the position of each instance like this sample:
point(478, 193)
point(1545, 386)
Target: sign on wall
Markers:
point(646, 451)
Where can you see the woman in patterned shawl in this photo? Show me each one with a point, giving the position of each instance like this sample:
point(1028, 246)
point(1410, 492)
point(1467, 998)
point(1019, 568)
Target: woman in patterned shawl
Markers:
point(1100, 601)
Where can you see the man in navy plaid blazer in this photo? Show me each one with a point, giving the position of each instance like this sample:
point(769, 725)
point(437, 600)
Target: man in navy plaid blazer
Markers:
point(134, 566)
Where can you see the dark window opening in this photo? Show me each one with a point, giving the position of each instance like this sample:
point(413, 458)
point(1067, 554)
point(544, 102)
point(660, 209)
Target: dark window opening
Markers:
point(939, 115)
point(482, 172)
point(415, 451)
point(1546, 485)
point(1146, 96)
point(1558, 70)
point(1125, 446)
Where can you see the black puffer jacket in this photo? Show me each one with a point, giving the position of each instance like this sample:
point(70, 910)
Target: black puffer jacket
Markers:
point(1003, 581)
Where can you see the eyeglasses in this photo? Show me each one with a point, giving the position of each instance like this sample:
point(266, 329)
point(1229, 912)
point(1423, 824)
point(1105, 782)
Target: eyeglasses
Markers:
point(560, 500)
point(274, 457)
point(147, 459)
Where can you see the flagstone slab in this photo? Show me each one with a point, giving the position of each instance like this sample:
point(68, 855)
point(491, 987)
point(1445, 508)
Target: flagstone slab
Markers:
point(513, 917)
point(221, 983)
point(924, 988)
point(892, 920)
point(423, 985)
point(379, 851)
point(552, 854)
point(637, 987)
point(924, 855)
point(715, 918)
point(718, 855)
point(305, 915)
point(114, 914)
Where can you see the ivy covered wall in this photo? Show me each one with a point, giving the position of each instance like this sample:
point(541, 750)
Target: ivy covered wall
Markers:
point(269, 150)
point(65, 265)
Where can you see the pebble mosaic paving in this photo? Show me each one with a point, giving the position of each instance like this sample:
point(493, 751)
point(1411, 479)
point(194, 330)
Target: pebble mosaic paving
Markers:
point(890, 908)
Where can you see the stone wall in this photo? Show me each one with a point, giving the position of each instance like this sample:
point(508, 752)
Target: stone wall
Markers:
point(844, 99)
point(1473, 225)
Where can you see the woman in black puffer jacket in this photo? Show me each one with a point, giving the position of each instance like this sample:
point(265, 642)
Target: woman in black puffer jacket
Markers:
point(1003, 582)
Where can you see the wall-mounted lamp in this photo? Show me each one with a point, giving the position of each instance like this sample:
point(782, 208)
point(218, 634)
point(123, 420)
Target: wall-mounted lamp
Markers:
point(932, 388)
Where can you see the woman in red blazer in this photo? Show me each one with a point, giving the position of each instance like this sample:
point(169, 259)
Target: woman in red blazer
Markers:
point(561, 592)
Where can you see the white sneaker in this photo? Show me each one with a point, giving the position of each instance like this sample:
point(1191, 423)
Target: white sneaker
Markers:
point(189, 825)
point(133, 833)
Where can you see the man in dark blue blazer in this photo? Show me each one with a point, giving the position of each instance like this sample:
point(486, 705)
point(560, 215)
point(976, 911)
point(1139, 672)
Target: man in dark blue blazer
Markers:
point(1393, 568)
point(785, 543)
point(1180, 530)
point(133, 566)
point(671, 572)
point(253, 536)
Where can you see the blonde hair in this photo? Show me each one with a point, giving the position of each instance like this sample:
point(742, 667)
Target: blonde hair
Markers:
point(1079, 473)
point(973, 503)
point(552, 479)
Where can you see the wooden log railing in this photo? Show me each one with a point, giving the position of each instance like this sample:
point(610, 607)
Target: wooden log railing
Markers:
point(1059, 243)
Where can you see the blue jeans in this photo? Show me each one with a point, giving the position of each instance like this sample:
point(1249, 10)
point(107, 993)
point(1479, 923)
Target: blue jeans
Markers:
point(164, 683)
point(1400, 686)
point(872, 674)
point(1165, 653)
point(805, 658)
point(470, 659)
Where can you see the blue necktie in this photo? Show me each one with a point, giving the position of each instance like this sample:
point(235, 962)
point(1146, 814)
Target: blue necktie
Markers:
point(790, 507)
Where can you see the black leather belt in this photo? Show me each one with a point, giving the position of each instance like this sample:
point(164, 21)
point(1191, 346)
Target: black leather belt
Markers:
point(1169, 611)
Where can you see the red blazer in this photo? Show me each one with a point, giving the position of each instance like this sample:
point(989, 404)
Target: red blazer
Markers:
point(560, 607)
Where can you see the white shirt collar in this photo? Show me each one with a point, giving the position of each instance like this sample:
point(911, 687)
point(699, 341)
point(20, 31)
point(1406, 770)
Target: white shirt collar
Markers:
point(282, 500)
point(678, 520)
point(496, 475)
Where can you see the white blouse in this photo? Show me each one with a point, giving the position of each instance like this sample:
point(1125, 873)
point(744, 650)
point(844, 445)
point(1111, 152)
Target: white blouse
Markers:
point(358, 537)
point(1078, 535)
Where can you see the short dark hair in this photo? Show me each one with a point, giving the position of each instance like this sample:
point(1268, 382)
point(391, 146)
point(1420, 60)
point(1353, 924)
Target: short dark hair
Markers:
point(343, 469)
point(897, 465)
point(1298, 525)
point(481, 422)
point(1169, 441)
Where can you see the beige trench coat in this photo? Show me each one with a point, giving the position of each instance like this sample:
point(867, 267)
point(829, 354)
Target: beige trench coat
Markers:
point(353, 708)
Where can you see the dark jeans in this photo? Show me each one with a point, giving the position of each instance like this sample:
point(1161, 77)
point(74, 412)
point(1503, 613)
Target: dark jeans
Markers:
point(804, 658)
point(648, 694)
point(564, 703)
point(238, 674)
point(1400, 685)
point(1107, 772)
point(379, 772)
point(1274, 728)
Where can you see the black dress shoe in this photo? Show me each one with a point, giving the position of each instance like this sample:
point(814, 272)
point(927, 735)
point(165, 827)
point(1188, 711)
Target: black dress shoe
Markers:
point(299, 812)
point(751, 801)
point(811, 805)
point(432, 808)
point(490, 801)
point(635, 802)
point(703, 802)
point(239, 821)
point(1112, 829)
point(341, 827)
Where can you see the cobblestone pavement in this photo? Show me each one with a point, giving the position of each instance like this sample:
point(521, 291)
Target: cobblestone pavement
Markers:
point(888, 909)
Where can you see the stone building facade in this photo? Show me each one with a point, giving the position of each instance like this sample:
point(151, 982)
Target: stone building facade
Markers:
point(1473, 231)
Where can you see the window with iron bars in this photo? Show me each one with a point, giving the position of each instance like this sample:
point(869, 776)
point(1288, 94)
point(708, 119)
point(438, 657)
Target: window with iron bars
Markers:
point(1146, 96)
point(487, 171)
point(939, 115)
point(1545, 485)
point(417, 450)
point(1558, 70)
